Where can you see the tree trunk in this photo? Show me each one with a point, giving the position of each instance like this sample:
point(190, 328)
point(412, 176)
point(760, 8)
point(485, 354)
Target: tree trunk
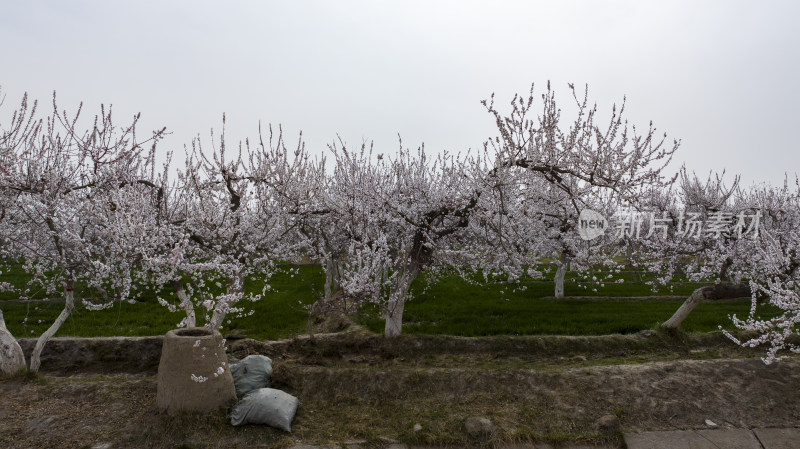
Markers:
point(331, 278)
point(397, 302)
point(332, 299)
point(561, 272)
point(629, 262)
point(186, 303)
point(310, 324)
point(394, 318)
point(69, 306)
point(12, 359)
point(718, 291)
point(233, 292)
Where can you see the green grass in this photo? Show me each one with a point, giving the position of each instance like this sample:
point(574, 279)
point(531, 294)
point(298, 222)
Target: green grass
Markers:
point(451, 306)
point(279, 314)
point(454, 307)
point(14, 274)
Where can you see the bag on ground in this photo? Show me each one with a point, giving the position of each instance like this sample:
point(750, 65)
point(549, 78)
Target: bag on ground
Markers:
point(251, 373)
point(268, 406)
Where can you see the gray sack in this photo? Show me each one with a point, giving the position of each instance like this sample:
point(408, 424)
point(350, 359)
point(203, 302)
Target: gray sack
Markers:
point(251, 373)
point(266, 406)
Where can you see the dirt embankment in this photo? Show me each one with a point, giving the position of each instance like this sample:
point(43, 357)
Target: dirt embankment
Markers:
point(66, 356)
point(355, 386)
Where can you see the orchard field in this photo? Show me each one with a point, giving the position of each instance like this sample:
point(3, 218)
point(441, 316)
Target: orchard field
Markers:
point(448, 306)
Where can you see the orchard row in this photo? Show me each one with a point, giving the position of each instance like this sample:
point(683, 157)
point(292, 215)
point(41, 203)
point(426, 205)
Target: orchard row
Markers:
point(107, 207)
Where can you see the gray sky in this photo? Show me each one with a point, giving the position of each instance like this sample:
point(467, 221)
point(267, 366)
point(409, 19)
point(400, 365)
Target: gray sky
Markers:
point(721, 76)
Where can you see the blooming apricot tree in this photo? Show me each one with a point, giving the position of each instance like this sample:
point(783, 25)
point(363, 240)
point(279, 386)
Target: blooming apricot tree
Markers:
point(573, 166)
point(698, 233)
point(229, 221)
point(775, 273)
point(403, 216)
point(59, 184)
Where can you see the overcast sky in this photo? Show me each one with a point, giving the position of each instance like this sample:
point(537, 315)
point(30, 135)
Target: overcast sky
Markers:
point(720, 76)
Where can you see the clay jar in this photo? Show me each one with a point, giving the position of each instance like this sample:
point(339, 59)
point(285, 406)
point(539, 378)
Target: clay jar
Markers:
point(193, 375)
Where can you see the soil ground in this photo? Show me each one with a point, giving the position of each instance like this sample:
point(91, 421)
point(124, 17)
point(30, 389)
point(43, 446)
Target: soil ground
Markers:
point(354, 386)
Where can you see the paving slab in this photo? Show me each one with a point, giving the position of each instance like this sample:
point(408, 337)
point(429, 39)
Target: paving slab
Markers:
point(548, 446)
point(508, 446)
point(694, 439)
point(312, 446)
point(577, 446)
point(778, 438)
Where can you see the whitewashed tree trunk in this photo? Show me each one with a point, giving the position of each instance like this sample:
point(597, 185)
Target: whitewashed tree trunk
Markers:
point(12, 359)
point(332, 274)
point(394, 317)
point(397, 302)
point(69, 306)
point(685, 309)
point(186, 303)
point(561, 272)
point(719, 291)
point(220, 311)
point(234, 293)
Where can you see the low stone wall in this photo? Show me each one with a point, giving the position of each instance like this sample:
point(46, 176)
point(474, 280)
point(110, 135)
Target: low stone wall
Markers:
point(69, 355)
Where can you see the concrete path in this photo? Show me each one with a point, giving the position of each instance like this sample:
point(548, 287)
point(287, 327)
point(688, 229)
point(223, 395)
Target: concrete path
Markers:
point(406, 446)
point(716, 439)
point(671, 439)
